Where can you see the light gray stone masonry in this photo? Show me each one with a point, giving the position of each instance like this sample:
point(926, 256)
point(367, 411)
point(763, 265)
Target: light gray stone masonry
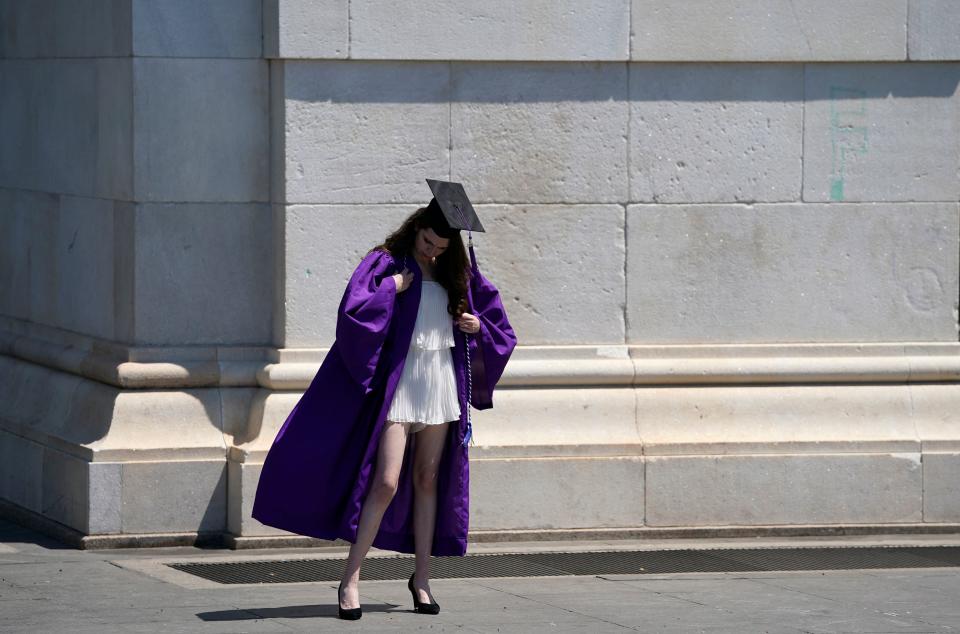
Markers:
point(186, 145)
point(934, 30)
point(607, 30)
point(792, 272)
point(306, 29)
point(881, 132)
point(572, 133)
point(183, 496)
point(323, 245)
point(784, 489)
point(170, 274)
point(545, 133)
point(121, 28)
point(65, 28)
point(539, 30)
point(202, 273)
point(535, 30)
point(715, 132)
point(941, 472)
point(364, 133)
point(538, 493)
point(727, 235)
point(768, 30)
point(66, 126)
point(565, 286)
point(197, 28)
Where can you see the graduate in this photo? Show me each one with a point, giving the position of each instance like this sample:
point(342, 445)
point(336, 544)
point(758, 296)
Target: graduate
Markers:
point(375, 452)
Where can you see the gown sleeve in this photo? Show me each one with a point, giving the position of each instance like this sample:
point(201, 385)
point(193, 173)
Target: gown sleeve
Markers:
point(363, 319)
point(490, 349)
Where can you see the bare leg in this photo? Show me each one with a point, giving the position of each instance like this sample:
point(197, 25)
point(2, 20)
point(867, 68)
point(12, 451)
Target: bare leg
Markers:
point(426, 462)
point(393, 442)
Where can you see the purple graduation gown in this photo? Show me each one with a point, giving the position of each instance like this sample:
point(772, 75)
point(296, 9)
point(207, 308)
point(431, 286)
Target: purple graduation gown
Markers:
point(320, 467)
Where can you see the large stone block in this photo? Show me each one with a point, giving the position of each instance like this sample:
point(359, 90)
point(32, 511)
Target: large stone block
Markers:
point(278, 133)
point(114, 147)
point(365, 133)
point(188, 114)
point(242, 489)
point(27, 280)
point(768, 30)
point(307, 28)
point(187, 28)
point(780, 419)
point(537, 493)
point(558, 422)
point(173, 496)
point(66, 490)
point(715, 133)
point(124, 270)
point(559, 269)
point(933, 32)
point(542, 133)
point(936, 413)
point(40, 403)
point(881, 132)
point(21, 471)
point(18, 121)
point(65, 28)
point(941, 497)
point(66, 132)
point(66, 125)
point(562, 30)
point(43, 282)
point(209, 268)
point(783, 489)
point(159, 424)
point(104, 486)
point(323, 246)
point(268, 414)
point(792, 273)
point(84, 246)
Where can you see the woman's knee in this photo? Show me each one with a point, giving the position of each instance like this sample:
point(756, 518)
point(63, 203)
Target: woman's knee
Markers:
point(384, 487)
point(425, 478)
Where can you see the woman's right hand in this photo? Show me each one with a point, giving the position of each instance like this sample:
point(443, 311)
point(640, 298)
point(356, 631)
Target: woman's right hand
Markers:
point(403, 280)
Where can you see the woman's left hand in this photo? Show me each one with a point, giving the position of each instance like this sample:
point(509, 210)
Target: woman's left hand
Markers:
point(469, 323)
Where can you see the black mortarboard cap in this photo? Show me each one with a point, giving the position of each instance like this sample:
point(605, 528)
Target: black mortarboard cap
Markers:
point(456, 207)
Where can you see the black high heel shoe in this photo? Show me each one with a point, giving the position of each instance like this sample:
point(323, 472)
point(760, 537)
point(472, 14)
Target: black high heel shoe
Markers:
point(419, 606)
point(349, 614)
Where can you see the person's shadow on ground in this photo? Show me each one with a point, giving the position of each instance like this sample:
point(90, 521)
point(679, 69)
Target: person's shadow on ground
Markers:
point(288, 612)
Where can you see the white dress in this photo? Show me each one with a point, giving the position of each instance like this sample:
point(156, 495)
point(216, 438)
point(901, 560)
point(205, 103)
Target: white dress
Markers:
point(427, 391)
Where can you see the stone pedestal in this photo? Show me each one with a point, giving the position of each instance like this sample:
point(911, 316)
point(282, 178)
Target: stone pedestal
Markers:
point(731, 261)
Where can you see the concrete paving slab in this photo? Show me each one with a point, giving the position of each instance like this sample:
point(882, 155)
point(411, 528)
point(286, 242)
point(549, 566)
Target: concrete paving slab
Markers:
point(46, 588)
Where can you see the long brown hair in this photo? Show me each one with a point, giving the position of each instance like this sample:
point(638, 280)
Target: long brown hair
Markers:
point(451, 269)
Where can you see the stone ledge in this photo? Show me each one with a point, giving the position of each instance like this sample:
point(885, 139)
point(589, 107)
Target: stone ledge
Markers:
point(160, 367)
point(238, 542)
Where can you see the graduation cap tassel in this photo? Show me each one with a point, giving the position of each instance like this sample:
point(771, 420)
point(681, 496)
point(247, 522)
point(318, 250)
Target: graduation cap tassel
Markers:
point(468, 436)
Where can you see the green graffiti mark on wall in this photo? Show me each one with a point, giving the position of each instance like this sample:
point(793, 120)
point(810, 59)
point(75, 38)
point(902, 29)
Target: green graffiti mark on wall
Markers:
point(848, 134)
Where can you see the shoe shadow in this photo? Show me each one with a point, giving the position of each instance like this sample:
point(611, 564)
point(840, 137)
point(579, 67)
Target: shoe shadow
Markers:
point(288, 612)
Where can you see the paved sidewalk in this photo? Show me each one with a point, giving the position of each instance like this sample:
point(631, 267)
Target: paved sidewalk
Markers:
point(47, 587)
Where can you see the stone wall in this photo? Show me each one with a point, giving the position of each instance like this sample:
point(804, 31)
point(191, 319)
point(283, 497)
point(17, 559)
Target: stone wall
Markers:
point(726, 233)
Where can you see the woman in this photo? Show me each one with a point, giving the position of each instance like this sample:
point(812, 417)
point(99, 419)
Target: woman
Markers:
point(377, 440)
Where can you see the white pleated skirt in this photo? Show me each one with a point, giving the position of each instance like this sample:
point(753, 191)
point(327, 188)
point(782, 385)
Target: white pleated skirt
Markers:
point(427, 391)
